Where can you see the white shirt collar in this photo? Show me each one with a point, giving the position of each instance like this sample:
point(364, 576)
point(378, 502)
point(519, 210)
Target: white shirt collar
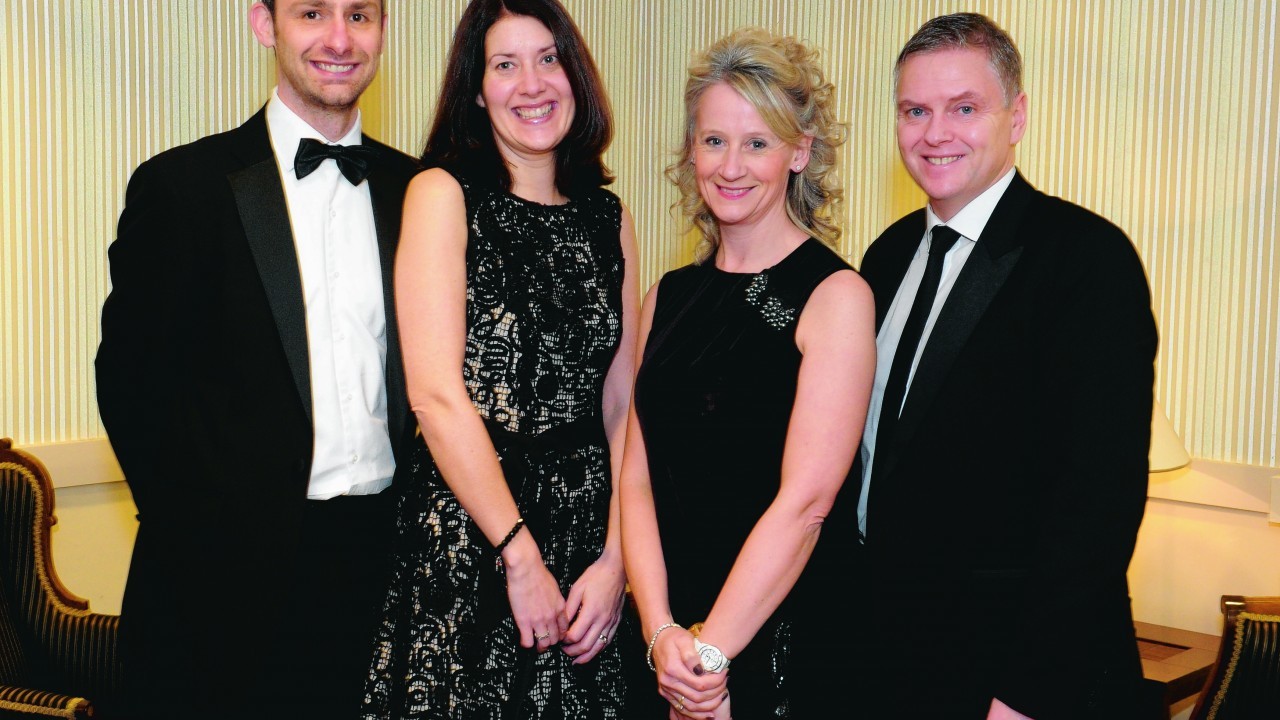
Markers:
point(972, 218)
point(287, 129)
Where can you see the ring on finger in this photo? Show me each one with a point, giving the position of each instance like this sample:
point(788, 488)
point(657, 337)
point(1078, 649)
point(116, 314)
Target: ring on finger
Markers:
point(604, 637)
point(542, 636)
point(680, 701)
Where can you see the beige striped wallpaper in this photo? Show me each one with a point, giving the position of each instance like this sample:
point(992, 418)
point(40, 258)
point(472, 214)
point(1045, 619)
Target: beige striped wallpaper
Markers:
point(1163, 115)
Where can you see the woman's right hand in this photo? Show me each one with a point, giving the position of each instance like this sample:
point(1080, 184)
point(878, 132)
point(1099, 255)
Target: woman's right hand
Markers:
point(692, 692)
point(431, 293)
point(536, 602)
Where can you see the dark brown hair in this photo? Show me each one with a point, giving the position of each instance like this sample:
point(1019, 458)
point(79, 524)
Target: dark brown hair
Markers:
point(461, 137)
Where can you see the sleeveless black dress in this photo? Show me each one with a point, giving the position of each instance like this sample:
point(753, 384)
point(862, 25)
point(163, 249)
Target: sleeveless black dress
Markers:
point(714, 396)
point(544, 318)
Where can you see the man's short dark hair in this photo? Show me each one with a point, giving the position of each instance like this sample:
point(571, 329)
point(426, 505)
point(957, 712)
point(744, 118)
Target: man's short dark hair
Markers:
point(968, 30)
point(271, 5)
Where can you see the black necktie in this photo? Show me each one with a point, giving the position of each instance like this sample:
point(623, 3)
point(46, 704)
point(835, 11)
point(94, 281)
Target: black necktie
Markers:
point(895, 389)
point(355, 161)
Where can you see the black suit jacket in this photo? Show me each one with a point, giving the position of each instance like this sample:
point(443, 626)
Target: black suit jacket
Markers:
point(1003, 512)
point(204, 388)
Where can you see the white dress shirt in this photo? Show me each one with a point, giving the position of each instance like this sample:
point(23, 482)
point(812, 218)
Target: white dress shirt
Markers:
point(336, 243)
point(969, 222)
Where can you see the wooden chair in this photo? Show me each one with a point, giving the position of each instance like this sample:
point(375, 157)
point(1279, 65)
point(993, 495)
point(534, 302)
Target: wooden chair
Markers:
point(55, 655)
point(1245, 680)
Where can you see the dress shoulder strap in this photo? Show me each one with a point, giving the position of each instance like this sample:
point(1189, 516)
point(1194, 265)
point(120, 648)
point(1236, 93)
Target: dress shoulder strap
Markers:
point(803, 270)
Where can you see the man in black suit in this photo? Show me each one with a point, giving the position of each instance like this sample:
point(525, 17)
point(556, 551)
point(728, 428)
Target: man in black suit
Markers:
point(1005, 454)
point(250, 381)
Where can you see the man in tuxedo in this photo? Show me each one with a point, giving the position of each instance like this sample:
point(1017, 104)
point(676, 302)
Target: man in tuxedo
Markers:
point(250, 381)
point(1004, 459)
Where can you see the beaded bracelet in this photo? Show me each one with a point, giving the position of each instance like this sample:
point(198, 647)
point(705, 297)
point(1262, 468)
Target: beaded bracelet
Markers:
point(648, 656)
point(510, 536)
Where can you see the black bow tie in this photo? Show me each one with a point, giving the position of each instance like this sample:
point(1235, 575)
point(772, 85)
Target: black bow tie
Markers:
point(355, 161)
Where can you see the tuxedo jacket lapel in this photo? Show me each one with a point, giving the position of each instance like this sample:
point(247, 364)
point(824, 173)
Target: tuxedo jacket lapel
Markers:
point(983, 275)
point(884, 274)
point(387, 196)
point(264, 214)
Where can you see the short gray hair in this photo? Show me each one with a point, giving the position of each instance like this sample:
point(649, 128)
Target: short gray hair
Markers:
point(968, 30)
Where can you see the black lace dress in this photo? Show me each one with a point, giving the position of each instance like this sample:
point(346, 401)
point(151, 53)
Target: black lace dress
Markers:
point(544, 311)
point(714, 396)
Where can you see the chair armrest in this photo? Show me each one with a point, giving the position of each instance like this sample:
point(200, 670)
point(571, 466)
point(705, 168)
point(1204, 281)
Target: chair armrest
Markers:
point(84, 653)
point(25, 702)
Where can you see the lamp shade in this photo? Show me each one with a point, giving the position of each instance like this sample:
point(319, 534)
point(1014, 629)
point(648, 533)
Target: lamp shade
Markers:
point(1167, 451)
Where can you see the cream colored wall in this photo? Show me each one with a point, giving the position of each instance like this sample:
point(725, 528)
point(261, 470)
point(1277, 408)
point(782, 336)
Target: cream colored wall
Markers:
point(93, 540)
point(1190, 555)
point(1164, 116)
point(88, 90)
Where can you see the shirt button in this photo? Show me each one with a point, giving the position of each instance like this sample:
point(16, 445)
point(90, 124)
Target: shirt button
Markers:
point(355, 459)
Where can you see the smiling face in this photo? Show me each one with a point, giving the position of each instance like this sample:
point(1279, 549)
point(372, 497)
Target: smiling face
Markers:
point(525, 89)
point(327, 53)
point(955, 133)
point(741, 166)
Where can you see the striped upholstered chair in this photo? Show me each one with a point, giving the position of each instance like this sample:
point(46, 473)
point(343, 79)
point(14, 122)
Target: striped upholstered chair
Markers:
point(1245, 681)
point(57, 659)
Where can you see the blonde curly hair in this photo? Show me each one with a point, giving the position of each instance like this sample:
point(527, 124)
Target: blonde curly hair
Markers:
point(781, 78)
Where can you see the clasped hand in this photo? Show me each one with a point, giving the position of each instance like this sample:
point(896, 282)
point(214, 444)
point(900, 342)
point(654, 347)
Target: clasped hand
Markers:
point(692, 692)
point(536, 605)
point(542, 614)
point(595, 604)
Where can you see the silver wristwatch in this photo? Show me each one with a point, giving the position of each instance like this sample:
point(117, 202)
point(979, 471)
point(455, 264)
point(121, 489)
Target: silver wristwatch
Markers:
point(713, 661)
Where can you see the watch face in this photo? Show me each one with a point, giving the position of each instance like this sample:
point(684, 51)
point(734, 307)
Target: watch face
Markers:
point(712, 659)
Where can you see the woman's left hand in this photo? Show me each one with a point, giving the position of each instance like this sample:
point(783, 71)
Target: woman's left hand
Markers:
point(594, 604)
point(722, 712)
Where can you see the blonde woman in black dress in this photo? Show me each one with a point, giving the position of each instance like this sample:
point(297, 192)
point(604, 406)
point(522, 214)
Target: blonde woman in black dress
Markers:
point(757, 364)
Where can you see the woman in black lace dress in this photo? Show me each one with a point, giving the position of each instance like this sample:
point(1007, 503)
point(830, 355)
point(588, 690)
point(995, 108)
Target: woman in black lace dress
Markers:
point(514, 285)
point(749, 402)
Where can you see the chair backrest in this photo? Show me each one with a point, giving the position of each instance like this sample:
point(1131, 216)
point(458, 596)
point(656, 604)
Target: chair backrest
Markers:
point(1245, 681)
point(29, 586)
point(13, 654)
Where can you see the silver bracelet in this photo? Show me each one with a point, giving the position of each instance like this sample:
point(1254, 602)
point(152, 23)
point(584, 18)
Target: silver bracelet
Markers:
point(648, 656)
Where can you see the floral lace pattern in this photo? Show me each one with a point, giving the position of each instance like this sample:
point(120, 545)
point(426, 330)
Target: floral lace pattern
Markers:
point(543, 315)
